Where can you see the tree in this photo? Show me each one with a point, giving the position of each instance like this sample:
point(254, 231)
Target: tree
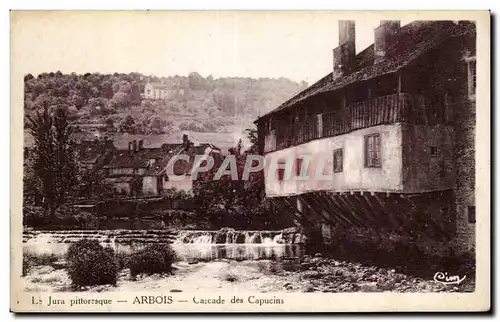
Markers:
point(54, 167)
point(128, 125)
point(254, 140)
point(28, 77)
point(196, 81)
point(110, 125)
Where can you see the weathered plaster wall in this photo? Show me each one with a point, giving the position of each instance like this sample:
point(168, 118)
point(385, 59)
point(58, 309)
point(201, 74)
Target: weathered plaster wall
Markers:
point(466, 172)
point(122, 187)
point(423, 172)
point(355, 176)
point(185, 184)
point(149, 185)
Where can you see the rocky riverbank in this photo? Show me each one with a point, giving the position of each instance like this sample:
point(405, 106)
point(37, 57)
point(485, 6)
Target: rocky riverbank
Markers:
point(307, 274)
point(318, 274)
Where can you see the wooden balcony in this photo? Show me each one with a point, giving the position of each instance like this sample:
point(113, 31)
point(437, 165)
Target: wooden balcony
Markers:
point(390, 109)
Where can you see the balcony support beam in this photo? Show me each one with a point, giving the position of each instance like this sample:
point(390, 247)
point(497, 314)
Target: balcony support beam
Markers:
point(319, 212)
point(330, 201)
point(322, 202)
point(399, 82)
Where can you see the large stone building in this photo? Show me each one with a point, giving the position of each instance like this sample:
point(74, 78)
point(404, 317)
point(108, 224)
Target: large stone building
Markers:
point(396, 125)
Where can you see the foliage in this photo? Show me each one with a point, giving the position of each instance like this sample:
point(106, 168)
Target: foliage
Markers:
point(54, 170)
point(91, 264)
point(33, 216)
point(201, 104)
point(177, 194)
point(122, 260)
point(155, 258)
point(237, 203)
point(86, 220)
point(32, 260)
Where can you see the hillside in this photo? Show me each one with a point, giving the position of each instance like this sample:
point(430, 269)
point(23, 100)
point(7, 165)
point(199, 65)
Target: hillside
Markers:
point(114, 103)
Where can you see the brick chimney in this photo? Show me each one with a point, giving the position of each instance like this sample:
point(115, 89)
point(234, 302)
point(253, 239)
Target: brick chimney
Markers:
point(130, 148)
point(134, 143)
point(384, 37)
point(344, 56)
point(141, 145)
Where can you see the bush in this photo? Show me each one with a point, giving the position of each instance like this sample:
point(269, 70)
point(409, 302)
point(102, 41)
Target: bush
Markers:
point(155, 258)
point(32, 260)
point(33, 216)
point(86, 220)
point(122, 260)
point(91, 264)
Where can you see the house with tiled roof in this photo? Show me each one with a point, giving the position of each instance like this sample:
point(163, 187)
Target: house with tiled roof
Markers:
point(395, 124)
point(140, 170)
point(93, 154)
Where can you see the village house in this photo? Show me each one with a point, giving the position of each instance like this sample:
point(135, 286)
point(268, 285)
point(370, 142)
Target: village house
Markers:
point(94, 154)
point(396, 123)
point(139, 171)
point(155, 91)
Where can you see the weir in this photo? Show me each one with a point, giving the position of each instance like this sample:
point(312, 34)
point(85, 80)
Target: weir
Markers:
point(188, 244)
point(223, 236)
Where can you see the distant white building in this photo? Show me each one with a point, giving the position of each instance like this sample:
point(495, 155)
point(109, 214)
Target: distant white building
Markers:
point(155, 91)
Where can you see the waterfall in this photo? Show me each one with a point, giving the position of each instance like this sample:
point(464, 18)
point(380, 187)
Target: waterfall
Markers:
point(41, 239)
point(231, 237)
point(278, 239)
point(188, 244)
point(114, 238)
point(203, 239)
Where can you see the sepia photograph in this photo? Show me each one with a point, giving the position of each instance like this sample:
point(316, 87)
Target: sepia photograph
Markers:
point(177, 157)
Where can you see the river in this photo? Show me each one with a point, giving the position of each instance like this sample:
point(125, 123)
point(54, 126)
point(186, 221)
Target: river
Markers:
point(210, 261)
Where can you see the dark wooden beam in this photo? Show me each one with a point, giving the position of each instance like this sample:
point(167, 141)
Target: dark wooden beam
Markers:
point(340, 201)
point(328, 201)
point(301, 213)
point(369, 211)
point(388, 209)
point(279, 203)
point(380, 211)
point(360, 212)
point(319, 214)
point(318, 205)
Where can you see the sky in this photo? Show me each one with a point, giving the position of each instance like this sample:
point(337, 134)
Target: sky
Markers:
point(293, 44)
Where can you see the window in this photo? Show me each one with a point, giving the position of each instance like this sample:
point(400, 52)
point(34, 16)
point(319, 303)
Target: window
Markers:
point(372, 151)
point(434, 151)
point(471, 76)
point(281, 170)
point(471, 212)
point(298, 166)
point(337, 161)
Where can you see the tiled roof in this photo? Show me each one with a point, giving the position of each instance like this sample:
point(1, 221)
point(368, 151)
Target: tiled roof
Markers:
point(159, 167)
point(181, 166)
point(137, 159)
point(413, 40)
point(141, 159)
point(90, 151)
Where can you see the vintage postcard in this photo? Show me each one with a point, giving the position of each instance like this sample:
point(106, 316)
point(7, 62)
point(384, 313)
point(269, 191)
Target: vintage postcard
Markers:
point(250, 161)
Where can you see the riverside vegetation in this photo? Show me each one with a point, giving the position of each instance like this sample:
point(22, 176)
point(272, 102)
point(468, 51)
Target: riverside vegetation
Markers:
point(306, 274)
point(87, 263)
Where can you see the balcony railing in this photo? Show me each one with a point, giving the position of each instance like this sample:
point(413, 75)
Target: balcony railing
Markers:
point(388, 109)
